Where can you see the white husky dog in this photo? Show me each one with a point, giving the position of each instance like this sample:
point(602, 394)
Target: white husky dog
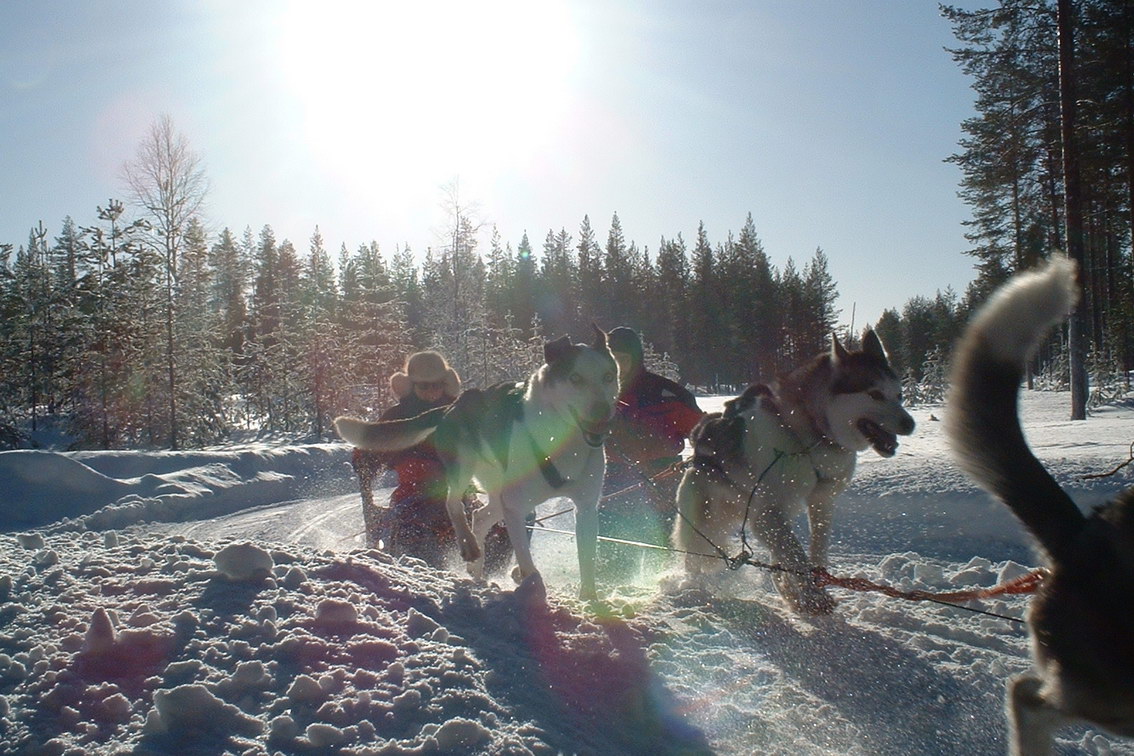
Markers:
point(523, 443)
point(1082, 619)
point(778, 449)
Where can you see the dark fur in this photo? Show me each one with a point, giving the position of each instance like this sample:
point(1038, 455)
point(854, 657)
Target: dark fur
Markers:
point(1082, 618)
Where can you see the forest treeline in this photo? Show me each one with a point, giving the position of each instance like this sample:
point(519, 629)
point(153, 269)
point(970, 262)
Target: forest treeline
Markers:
point(245, 331)
point(139, 327)
point(1011, 156)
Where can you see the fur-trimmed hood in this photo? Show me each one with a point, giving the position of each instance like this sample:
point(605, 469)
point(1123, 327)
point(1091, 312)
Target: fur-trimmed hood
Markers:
point(425, 367)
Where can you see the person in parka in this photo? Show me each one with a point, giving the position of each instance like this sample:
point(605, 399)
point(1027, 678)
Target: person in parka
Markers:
point(654, 417)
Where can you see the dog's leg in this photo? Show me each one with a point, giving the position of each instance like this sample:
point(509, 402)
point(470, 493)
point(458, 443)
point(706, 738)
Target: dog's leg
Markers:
point(695, 532)
point(483, 518)
point(820, 513)
point(458, 480)
point(586, 543)
point(1031, 721)
point(795, 583)
point(586, 498)
point(517, 533)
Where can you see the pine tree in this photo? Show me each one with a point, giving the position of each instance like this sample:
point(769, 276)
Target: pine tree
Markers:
point(262, 347)
point(795, 348)
point(523, 289)
point(201, 360)
point(321, 336)
point(104, 407)
point(888, 328)
point(673, 281)
point(499, 276)
point(555, 287)
point(229, 283)
point(589, 278)
point(618, 278)
point(917, 333)
point(820, 292)
point(752, 307)
point(10, 436)
point(705, 315)
point(32, 329)
point(377, 329)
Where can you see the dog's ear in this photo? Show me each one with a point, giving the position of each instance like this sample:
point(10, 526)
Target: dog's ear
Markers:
point(872, 345)
point(601, 342)
point(838, 352)
point(554, 350)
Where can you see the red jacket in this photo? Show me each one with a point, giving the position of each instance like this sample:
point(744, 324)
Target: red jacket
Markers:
point(654, 417)
point(419, 468)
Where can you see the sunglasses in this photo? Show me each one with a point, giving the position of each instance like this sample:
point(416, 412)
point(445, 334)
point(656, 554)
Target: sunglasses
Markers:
point(430, 385)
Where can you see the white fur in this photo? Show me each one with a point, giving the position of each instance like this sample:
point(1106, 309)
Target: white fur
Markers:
point(1017, 317)
point(550, 408)
point(784, 468)
point(554, 411)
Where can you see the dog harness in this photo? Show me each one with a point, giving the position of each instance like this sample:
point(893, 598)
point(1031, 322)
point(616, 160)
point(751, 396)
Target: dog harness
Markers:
point(500, 430)
point(720, 436)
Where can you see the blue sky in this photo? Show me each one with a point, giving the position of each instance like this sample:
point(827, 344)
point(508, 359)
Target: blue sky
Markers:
point(828, 121)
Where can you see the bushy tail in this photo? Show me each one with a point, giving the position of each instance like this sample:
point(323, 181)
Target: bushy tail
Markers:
point(388, 435)
point(982, 420)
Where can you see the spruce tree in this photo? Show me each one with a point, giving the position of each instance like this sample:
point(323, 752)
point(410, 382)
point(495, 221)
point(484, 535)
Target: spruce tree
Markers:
point(705, 315)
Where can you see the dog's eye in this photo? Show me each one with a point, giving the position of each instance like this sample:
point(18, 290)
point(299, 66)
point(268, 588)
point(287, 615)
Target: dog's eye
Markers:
point(607, 377)
point(576, 378)
point(877, 395)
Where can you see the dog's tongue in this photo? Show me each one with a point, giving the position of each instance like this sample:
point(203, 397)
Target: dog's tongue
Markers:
point(885, 443)
point(594, 431)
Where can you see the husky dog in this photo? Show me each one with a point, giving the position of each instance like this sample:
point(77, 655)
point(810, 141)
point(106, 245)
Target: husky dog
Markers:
point(1082, 619)
point(523, 443)
point(776, 449)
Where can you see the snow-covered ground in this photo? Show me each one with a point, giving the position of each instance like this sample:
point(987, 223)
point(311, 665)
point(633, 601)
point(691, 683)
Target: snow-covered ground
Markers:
point(220, 602)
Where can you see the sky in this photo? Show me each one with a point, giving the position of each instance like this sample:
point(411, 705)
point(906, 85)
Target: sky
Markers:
point(828, 122)
point(137, 618)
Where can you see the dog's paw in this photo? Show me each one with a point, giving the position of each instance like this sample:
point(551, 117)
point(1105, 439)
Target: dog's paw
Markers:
point(531, 589)
point(519, 576)
point(475, 569)
point(815, 603)
point(470, 550)
point(803, 595)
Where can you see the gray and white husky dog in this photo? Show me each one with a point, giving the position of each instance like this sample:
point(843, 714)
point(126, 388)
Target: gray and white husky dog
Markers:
point(1082, 618)
point(778, 449)
point(523, 443)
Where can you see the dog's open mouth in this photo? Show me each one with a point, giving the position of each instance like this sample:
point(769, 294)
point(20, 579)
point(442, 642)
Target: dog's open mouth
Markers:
point(594, 432)
point(884, 442)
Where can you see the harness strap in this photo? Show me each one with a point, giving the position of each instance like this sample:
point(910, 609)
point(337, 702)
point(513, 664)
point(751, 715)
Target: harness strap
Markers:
point(547, 468)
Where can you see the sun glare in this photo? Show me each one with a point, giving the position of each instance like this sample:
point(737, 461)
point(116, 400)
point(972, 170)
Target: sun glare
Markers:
point(390, 90)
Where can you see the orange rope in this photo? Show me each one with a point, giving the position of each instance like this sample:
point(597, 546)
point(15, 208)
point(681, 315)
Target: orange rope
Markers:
point(1023, 584)
point(673, 469)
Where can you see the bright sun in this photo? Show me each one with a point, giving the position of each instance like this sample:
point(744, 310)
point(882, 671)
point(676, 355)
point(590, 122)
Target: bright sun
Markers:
point(434, 88)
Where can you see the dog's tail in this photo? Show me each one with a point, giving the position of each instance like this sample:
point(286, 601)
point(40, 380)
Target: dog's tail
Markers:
point(982, 421)
point(389, 435)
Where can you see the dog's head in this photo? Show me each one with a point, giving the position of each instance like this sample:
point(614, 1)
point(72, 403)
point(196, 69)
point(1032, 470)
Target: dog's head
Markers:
point(580, 381)
point(865, 401)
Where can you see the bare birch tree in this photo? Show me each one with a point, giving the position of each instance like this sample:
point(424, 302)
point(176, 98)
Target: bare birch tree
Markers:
point(167, 181)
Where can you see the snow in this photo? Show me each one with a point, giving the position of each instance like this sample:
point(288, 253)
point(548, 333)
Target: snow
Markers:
point(221, 602)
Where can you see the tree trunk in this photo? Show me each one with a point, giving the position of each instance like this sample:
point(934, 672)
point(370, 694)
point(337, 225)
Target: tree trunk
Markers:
point(1072, 206)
